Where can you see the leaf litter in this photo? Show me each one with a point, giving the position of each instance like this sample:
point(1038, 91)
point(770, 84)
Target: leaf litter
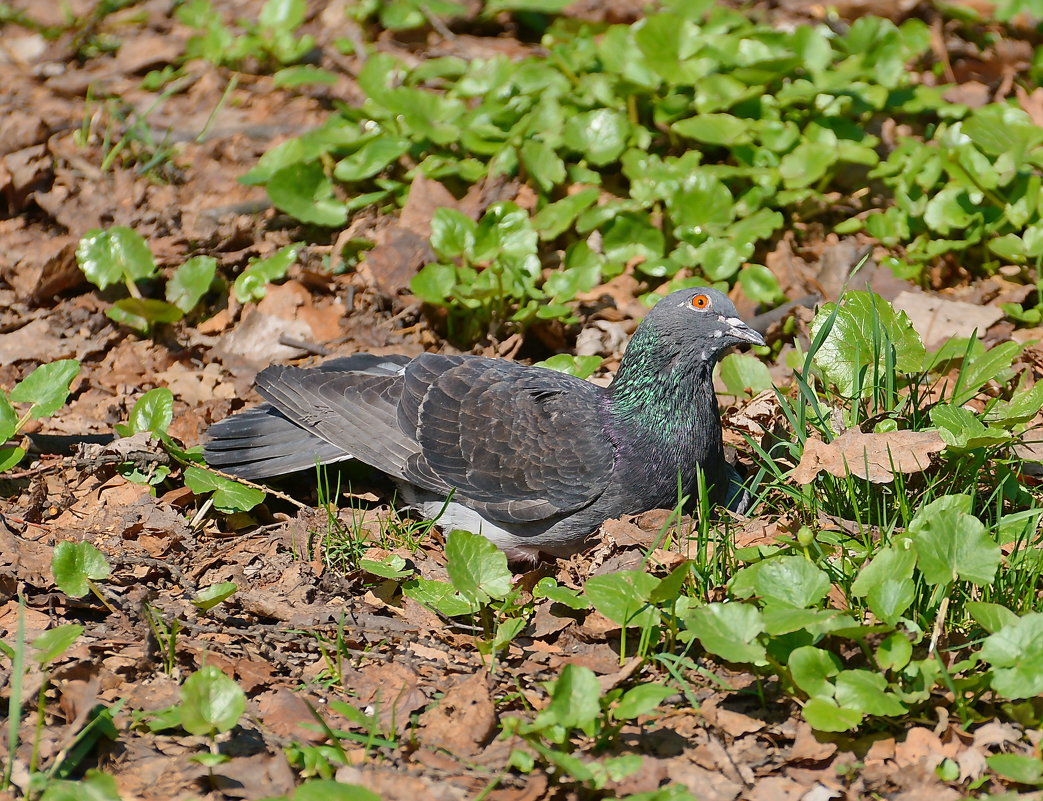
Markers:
point(423, 702)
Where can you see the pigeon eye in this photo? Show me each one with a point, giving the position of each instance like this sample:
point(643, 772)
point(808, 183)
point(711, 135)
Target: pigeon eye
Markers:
point(700, 302)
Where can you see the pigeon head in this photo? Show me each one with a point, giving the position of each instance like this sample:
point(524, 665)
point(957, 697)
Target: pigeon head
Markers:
point(700, 321)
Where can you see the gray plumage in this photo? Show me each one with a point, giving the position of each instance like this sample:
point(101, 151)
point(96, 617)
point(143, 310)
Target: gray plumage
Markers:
point(535, 459)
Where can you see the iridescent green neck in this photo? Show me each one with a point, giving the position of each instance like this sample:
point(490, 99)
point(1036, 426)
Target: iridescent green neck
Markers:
point(661, 389)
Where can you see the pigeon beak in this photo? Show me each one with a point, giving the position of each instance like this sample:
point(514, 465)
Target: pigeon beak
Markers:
point(741, 331)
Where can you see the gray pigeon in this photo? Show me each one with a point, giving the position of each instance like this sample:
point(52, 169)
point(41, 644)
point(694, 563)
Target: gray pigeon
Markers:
point(535, 460)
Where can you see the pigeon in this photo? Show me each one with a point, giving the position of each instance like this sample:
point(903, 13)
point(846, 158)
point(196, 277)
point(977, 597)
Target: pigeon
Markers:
point(533, 459)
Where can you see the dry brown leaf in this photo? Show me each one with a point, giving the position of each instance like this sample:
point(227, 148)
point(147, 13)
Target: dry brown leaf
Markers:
point(873, 456)
point(937, 320)
point(808, 748)
point(463, 721)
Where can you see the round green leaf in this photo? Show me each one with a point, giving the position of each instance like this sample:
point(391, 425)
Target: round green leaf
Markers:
point(303, 191)
point(72, 563)
point(477, 568)
point(452, 233)
point(153, 412)
point(812, 668)
point(210, 702)
point(730, 631)
point(599, 135)
point(823, 714)
point(114, 256)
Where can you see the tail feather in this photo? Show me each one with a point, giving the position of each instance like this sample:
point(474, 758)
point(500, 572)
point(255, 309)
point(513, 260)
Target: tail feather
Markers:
point(262, 442)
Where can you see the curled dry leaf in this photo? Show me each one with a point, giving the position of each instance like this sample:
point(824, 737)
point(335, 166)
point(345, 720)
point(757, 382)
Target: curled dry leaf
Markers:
point(876, 457)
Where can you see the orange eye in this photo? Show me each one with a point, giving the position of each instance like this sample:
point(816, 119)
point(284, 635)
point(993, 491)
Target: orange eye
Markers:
point(700, 302)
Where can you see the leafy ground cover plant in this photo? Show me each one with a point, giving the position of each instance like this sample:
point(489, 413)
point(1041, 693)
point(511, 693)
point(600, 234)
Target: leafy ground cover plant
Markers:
point(684, 141)
point(119, 256)
point(900, 581)
point(44, 391)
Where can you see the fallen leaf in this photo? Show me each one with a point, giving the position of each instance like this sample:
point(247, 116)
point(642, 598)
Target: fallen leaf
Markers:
point(872, 456)
point(463, 721)
point(937, 320)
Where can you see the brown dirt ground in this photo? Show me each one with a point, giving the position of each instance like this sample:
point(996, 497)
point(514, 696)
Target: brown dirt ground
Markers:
point(273, 636)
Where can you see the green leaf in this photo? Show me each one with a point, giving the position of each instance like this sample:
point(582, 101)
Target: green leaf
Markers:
point(1021, 408)
point(439, 595)
point(791, 581)
point(452, 233)
point(9, 457)
point(991, 617)
point(330, 790)
point(641, 700)
point(544, 165)
point(141, 314)
point(114, 256)
point(744, 375)
point(1000, 128)
point(714, 129)
point(894, 652)
point(865, 692)
point(579, 366)
point(976, 372)
point(1016, 655)
point(730, 631)
point(548, 588)
point(392, 566)
point(53, 643)
point(95, 786)
point(208, 760)
point(760, 284)
point(153, 412)
point(302, 75)
point(477, 568)
point(806, 164)
point(812, 668)
point(229, 496)
point(1019, 768)
point(211, 596)
point(505, 230)
point(46, 387)
point(283, 15)
point(823, 714)
point(895, 561)
point(252, 282)
point(624, 597)
point(865, 331)
point(73, 563)
point(434, 283)
point(9, 418)
point(210, 702)
point(950, 543)
point(703, 202)
point(599, 135)
point(962, 430)
point(538, 6)
point(305, 192)
point(889, 599)
point(190, 282)
point(575, 700)
point(554, 218)
point(950, 209)
point(629, 236)
point(370, 159)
